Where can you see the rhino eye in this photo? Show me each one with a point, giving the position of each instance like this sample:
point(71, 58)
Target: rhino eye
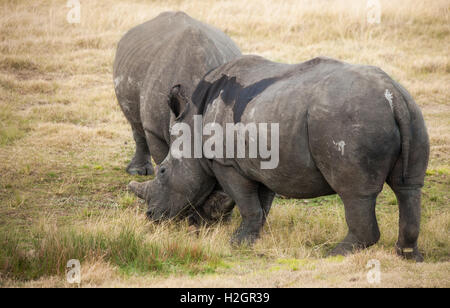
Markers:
point(162, 170)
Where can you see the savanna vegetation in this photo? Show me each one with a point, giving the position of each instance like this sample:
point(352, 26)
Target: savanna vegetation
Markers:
point(64, 145)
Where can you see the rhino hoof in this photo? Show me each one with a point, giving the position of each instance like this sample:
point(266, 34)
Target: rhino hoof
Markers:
point(243, 239)
point(342, 249)
point(146, 169)
point(409, 253)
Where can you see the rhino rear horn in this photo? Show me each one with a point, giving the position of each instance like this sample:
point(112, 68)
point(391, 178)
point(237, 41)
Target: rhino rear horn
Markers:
point(138, 189)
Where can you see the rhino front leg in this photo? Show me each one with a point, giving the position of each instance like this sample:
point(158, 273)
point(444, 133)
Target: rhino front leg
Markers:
point(158, 147)
point(246, 195)
point(266, 197)
point(141, 163)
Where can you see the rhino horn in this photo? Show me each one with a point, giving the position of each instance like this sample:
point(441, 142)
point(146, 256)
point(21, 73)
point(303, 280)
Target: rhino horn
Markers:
point(138, 189)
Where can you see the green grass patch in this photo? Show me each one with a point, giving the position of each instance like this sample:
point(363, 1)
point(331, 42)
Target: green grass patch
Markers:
point(335, 259)
point(46, 251)
point(12, 126)
point(127, 200)
point(295, 264)
point(439, 171)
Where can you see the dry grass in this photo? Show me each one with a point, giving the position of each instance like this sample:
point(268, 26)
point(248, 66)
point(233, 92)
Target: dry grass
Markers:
point(64, 144)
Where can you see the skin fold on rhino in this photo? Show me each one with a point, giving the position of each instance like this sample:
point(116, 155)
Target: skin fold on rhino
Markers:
point(172, 48)
point(343, 129)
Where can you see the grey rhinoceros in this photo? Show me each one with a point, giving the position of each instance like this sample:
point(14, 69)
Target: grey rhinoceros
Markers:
point(169, 49)
point(342, 129)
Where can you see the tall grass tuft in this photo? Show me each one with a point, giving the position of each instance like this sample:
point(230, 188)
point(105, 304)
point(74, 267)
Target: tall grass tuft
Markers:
point(128, 247)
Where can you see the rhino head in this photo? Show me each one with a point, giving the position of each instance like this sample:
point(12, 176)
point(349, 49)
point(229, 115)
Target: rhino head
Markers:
point(182, 186)
point(178, 188)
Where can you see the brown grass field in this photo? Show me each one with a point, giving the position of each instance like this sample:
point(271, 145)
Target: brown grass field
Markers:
point(64, 145)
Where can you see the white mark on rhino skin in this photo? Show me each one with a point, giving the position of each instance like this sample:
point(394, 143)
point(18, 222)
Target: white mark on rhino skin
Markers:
point(117, 81)
point(252, 113)
point(215, 106)
point(340, 146)
point(130, 80)
point(389, 98)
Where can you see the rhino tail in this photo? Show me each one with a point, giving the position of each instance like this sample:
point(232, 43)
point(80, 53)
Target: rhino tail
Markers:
point(402, 116)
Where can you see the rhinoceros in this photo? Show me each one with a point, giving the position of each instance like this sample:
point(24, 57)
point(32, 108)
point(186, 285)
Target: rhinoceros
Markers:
point(342, 129)
point(171, 48)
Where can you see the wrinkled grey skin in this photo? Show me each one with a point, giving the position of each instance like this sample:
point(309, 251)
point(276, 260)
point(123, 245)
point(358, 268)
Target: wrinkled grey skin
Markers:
point(170, 49)
point(318, 104)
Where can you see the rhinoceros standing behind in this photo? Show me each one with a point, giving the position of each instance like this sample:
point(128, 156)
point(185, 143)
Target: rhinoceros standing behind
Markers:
point(169, 49)
point(172, 48)
point(343, 129)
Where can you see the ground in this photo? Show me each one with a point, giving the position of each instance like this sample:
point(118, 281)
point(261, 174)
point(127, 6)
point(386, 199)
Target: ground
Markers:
point(64, 146)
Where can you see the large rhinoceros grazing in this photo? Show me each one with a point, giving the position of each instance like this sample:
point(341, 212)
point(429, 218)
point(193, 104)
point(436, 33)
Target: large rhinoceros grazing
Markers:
point(341, 129)
point(169, 49)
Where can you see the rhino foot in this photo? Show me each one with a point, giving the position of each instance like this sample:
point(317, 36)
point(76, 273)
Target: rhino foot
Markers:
point(342, 249)
point(242, 238)
point(409, 253)
point(349, 245)
point(135, 169)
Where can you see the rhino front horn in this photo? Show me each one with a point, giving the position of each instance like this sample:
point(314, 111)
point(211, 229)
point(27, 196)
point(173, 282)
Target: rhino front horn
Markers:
point(138, 189)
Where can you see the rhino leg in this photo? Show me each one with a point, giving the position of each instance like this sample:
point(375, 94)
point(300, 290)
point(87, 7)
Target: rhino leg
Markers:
point(157, 146)
point(409, 222)
point(362, 224)
point(266, 197)
point(141, 163)
point(246, 194)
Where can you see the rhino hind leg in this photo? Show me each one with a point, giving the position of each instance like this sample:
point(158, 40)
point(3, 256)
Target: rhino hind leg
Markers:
point(362, 224)
point(409, 202)
point(141, 163)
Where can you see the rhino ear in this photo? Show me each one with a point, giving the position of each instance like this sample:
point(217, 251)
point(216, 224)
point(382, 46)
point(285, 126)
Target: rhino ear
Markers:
point(138, 189)
point(177, 100)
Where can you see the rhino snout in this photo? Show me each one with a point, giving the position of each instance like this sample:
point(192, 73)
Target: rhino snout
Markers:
point(154, 215)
